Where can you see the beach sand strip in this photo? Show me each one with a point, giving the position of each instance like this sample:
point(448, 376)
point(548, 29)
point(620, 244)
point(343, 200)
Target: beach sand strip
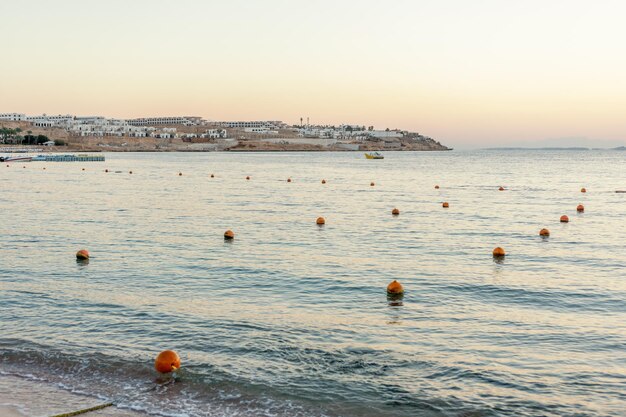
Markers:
point(21, 397)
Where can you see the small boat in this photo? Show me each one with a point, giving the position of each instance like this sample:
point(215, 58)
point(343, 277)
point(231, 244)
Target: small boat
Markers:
point(16, 158)
point(374, 155)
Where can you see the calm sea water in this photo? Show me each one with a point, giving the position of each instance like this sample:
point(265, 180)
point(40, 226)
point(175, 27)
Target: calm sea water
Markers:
point(292, 319)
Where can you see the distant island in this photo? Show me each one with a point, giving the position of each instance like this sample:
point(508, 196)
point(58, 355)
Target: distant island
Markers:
point(565, 143)
point(551, 148)
point(191, 133)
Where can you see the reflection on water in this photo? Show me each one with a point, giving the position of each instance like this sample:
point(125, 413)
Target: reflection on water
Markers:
point(395, 300)
point(82, 263)
point(290, 319)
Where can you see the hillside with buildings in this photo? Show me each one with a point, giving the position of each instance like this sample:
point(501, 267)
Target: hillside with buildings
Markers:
point(97, 133)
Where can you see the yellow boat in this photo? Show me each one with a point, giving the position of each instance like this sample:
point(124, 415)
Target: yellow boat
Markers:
point(374, 155)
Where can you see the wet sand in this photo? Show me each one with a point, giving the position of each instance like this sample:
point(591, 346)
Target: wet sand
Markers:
point(20, 397)
point(8, 411)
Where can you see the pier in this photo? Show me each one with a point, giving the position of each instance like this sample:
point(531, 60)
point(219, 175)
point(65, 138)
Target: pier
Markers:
point(69, 158)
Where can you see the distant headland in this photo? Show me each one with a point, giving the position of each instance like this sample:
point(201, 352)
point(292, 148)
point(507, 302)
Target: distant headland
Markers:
point(191, 133)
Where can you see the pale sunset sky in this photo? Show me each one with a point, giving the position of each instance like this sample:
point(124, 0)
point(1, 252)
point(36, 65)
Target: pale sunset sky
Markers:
point(468, 73)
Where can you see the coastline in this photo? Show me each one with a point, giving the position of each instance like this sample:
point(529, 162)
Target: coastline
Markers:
point(237, 140)
point(22, 397)
point(10, 411)
point(79, 149)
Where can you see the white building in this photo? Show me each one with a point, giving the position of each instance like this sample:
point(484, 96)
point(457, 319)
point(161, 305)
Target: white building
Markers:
point(261, 130)
point(177, 120)
point(318, 132)
point(214, 134)
point(13, 117)
point(43, 123)
point(161, 135)
point(99, 126)
point(385, 134)
point(45, 120)
point(270, 124)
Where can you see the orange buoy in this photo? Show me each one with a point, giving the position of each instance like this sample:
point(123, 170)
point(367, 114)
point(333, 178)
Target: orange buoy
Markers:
point(395, 288)
point(501, 189)
point(436, 187)
point(372, 184)
point(445, 205)
point(564, 219)
point(498, 252)
point(212, 176)
point(82, 255)
point(580, 208)
point(320, 221)
point(395, 211)
point(583, 190)
point(288, 179)
point(228, 235)
point(248, 177)
point(167, 361)
point(544, 232)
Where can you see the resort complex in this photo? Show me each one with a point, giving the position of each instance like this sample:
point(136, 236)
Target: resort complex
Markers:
point(192, 133)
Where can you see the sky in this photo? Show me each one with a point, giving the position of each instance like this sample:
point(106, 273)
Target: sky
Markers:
point(467, 73)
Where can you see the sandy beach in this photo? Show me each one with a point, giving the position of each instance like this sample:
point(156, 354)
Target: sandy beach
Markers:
point(20, 397)
point(10, 411)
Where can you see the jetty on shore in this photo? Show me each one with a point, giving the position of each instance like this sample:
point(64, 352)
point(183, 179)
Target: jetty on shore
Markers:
point(68, 158)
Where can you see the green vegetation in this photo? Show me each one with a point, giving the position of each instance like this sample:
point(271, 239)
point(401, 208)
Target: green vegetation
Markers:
point(34, 140)
point(8, 135)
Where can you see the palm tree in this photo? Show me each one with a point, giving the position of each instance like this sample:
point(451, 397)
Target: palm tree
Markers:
point(17, 136)
point(5, 132)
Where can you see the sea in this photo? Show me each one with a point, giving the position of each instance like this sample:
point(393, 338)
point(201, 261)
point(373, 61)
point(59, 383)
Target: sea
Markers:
point(293, 319)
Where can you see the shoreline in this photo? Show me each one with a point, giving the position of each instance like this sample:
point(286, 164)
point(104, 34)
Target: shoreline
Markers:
point(180, 137)
point(10, 411)
point(24, 397)
point(72, 149)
